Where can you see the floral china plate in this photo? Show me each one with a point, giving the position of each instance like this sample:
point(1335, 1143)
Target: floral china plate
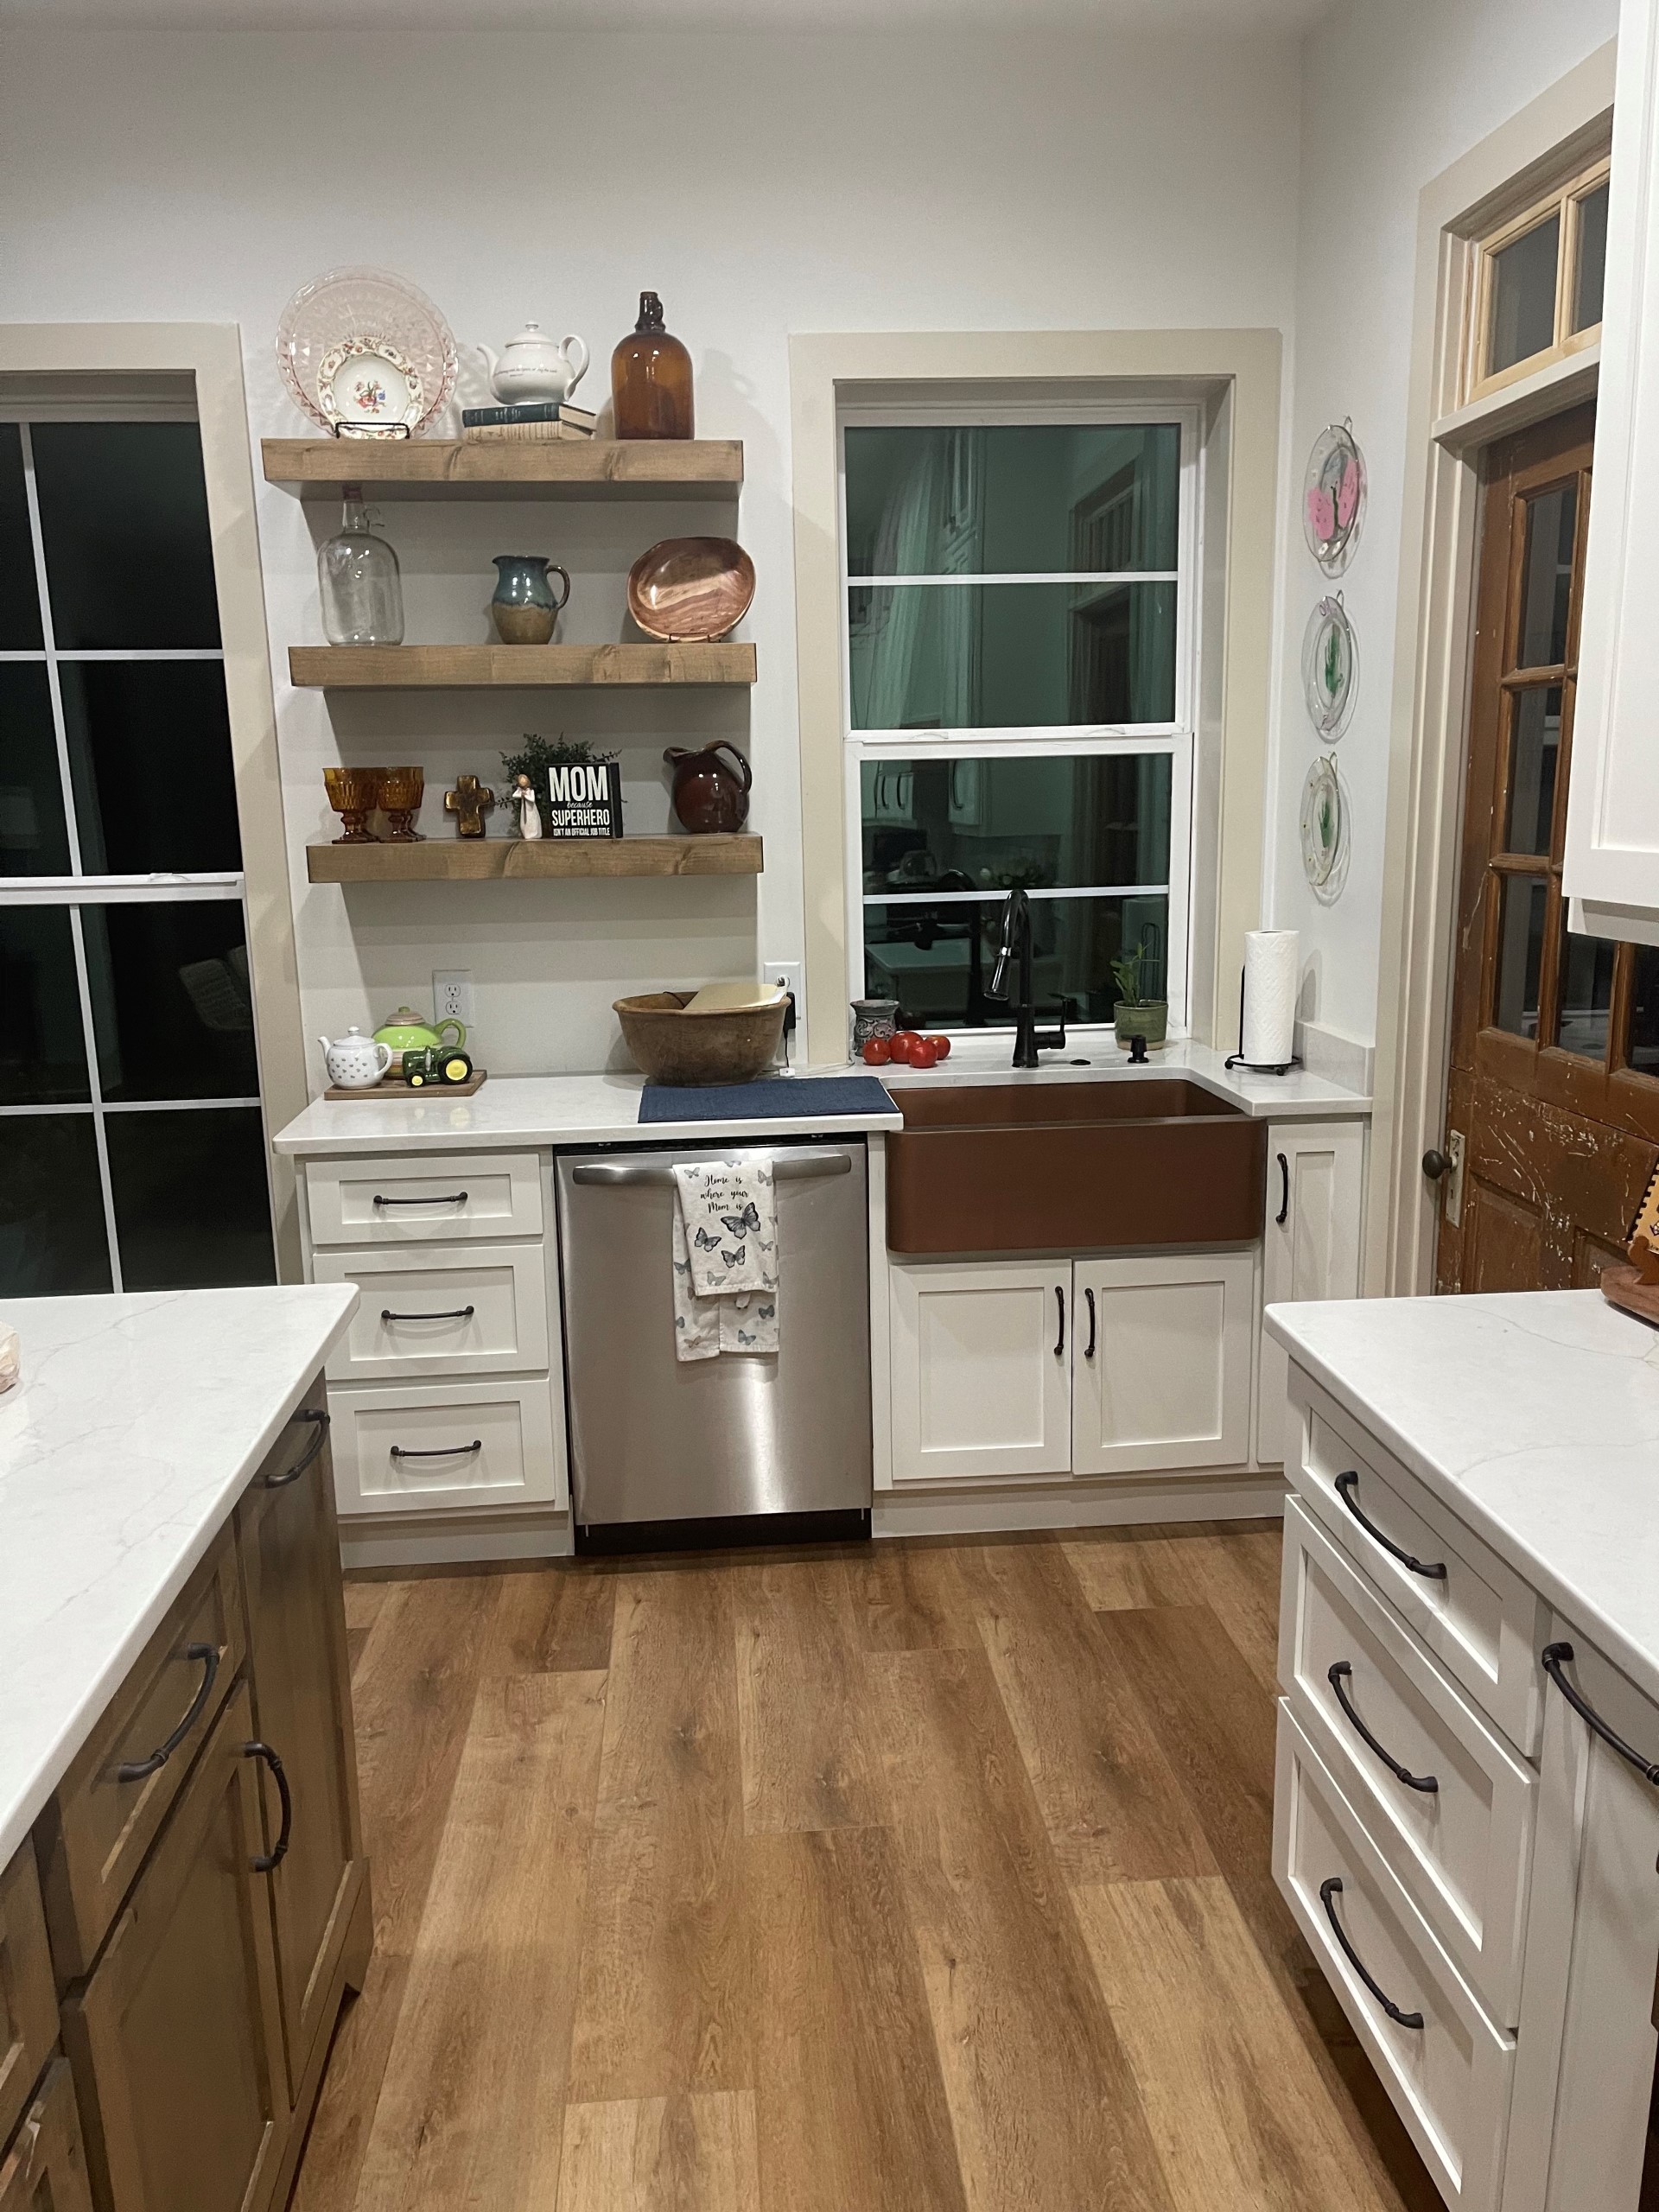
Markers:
point(365, 387)
point(365, 354)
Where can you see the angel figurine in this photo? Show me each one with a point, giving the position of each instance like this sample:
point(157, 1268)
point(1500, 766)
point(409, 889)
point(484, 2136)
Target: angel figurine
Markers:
point(522, 799)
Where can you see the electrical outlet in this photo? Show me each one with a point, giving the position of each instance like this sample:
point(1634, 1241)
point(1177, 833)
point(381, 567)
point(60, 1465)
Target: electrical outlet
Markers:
point(452, 994)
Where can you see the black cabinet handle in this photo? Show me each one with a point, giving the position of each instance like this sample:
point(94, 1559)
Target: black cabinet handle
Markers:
point(206, 1654)
point(1283, 1214)
point(316, 1416)
point(1089, 1349)
point(1059, 1341)
point(460, 1313)
point(451, 1199)
point(1435, 1572)
point(439, 1451)
point(1333, 1888)
point(1557, 1656)
point(265, 1861)
point(1334, 1675)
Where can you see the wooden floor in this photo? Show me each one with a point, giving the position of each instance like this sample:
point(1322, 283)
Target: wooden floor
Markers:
point(919, 1878)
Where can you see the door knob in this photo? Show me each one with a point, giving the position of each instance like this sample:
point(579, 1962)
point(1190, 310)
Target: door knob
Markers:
point(1435, 1164)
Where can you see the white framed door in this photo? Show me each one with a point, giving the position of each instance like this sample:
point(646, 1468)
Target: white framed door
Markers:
point(1310, 1245)
point(982, 1370)
point(1162, 1368)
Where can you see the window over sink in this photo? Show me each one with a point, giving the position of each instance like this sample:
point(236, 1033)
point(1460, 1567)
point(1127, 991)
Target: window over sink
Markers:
point(1020, 648)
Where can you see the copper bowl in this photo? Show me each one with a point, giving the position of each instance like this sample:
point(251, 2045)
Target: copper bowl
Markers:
point(688, 587)
point(723, 1046)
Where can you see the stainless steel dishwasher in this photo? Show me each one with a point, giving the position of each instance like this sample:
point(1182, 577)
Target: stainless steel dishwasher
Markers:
point(654, 1440)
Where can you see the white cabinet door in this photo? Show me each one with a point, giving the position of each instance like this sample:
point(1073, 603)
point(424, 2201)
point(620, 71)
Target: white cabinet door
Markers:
point(1162, 1362)
point(1310, 1245)
point(1611, 873)
point(982, 1370)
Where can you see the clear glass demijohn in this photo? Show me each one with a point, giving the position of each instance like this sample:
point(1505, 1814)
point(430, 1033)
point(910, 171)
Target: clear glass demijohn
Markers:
point(358, 580)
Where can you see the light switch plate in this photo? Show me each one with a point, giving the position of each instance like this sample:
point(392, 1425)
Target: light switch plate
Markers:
point(452, 994)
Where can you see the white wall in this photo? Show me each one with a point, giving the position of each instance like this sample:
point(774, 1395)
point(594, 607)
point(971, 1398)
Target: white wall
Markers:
point(762, 185)
point(1391, 95)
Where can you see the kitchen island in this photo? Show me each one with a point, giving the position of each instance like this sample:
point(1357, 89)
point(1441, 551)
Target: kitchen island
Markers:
point(183, 1893)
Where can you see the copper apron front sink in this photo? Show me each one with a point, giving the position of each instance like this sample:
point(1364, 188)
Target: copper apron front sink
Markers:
point(1072, 1166)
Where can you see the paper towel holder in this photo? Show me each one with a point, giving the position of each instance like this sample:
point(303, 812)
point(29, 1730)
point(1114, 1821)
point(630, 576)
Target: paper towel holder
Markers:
point(1255, 1067)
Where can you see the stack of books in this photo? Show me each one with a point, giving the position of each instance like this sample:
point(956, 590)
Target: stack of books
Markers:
point(534, 422)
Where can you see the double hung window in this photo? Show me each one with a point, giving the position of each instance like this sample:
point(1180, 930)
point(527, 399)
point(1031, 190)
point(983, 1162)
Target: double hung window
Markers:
point(1019, 679)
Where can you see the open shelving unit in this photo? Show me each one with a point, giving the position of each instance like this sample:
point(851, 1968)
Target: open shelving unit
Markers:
point(429, 668)
point(570, 468)
point(489, 859)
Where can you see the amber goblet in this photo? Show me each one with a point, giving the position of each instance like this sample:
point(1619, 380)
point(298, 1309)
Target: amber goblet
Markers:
point(353, 794)
point(401, 791)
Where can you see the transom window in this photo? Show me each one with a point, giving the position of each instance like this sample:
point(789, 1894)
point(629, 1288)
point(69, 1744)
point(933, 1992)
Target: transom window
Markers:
point(1536, 282)
point(1019, 650)
point(131, 1143)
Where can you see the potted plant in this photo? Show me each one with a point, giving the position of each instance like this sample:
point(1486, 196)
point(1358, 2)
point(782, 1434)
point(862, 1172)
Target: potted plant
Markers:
point(1136, 1015)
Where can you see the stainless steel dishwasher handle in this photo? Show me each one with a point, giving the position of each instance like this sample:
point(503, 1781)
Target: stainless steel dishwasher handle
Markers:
point(787, 1168)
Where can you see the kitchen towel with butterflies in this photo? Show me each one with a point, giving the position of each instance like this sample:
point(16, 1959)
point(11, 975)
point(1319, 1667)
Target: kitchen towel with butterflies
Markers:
point(725, 1256)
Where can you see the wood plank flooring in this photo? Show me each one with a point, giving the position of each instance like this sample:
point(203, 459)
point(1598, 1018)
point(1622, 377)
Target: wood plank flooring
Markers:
point(907, 1877)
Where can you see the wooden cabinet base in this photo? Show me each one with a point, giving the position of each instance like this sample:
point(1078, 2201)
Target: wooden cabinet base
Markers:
point(350, 1967)
point(45, 2170)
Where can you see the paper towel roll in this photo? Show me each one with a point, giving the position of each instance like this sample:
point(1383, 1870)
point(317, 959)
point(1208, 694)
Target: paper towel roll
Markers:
point(1271, 972)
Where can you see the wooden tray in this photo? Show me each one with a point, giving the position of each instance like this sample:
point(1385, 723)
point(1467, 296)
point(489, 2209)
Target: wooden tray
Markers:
point(393, 1086)
point(1622, 1286)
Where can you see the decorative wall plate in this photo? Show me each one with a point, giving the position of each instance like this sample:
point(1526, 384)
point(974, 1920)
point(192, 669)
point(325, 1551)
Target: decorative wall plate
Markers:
point(1329, 668)
point(691, 587)
point(365, 353)
point(1333, 498)
point(1324, 831)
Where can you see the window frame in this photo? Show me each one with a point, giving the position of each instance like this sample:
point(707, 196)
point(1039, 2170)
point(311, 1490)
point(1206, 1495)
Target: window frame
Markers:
point(1178, 737)
point(70, 893)
point(1566, 198)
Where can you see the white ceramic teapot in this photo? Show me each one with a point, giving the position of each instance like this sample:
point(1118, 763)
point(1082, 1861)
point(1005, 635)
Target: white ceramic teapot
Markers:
point(534, 368)
point(355, 1062)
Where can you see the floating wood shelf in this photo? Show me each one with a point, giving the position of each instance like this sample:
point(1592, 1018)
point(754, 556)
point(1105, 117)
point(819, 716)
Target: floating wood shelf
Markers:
point(571, 468)
point(485, 860)
point(424, 668)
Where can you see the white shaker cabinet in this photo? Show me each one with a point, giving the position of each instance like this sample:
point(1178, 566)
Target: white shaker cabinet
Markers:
point(1310, 1244)
point(1162, 1353)
point(982, 1370)
point(1612, 874)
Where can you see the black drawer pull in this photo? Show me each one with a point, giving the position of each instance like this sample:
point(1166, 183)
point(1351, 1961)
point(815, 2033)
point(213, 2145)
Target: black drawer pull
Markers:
point(206, 1656)
point(264, 1861)
point(316, 1416)
point(1333, 1888)
point(451, 1199)
point(1059, 1341)
point(1283, 1214)
point(1334, 1675)
point(1435, 1572)
point(460, 1313)
point(1089, 1349)
point(439, 1451)
point(1557, 1656)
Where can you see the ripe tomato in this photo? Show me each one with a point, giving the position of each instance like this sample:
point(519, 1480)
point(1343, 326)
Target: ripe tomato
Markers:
point(941, 1047)
point(924, 1054)
point(903, 1042)
point(878, 1050)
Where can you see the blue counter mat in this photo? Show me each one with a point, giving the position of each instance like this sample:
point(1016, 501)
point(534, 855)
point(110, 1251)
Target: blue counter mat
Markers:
point(778, 1098)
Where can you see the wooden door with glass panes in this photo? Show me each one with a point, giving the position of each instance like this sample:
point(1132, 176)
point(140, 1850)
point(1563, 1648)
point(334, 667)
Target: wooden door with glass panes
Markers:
point(1553, 1094)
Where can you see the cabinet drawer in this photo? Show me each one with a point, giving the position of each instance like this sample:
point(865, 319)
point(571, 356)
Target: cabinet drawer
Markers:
point(417, 1449)
point(415, 1198)
point(104, 1815)
point(1449, 2079)
point(1462, 1849)
point(1478, 1617)
point(478, 1310)
point(29, 2004)
point(45, 2170)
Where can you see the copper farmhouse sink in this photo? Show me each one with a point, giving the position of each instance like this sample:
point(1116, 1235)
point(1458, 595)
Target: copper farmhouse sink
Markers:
point(1072, 1166)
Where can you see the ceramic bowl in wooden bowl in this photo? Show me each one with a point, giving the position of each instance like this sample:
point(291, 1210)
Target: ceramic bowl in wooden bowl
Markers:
point(726, 1046)
point(691, 587)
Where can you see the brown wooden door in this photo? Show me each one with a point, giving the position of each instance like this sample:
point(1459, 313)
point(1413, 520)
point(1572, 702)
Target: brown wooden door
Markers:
point(1555, 1082)
point(176, 2039)
point(45, 2170)
point(302, 1708)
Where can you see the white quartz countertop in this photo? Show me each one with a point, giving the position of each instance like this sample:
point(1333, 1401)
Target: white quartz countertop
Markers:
point(577, 1109)
point(1535, 1417)
point(135, 1429)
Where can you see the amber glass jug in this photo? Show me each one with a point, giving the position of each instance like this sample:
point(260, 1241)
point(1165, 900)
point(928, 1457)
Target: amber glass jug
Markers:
point(651, 378)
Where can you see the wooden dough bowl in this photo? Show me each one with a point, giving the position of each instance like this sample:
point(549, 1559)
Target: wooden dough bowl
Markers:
point(724, 1045)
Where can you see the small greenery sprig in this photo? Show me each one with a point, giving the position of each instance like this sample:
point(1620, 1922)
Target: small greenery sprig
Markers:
point(1126, 974)
point(536, 756)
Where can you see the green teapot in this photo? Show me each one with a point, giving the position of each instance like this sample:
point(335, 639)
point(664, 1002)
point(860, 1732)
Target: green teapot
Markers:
point(406, 1031)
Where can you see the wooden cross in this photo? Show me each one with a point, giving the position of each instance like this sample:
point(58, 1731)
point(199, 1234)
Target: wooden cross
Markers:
point(469, 803)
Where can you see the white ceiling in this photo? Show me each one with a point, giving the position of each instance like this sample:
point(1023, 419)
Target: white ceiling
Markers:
point(1239, 16)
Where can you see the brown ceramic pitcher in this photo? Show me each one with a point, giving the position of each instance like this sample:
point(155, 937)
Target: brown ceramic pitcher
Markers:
point(707, 795)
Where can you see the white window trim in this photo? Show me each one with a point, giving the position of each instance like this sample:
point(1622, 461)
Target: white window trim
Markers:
point(1177, 737)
